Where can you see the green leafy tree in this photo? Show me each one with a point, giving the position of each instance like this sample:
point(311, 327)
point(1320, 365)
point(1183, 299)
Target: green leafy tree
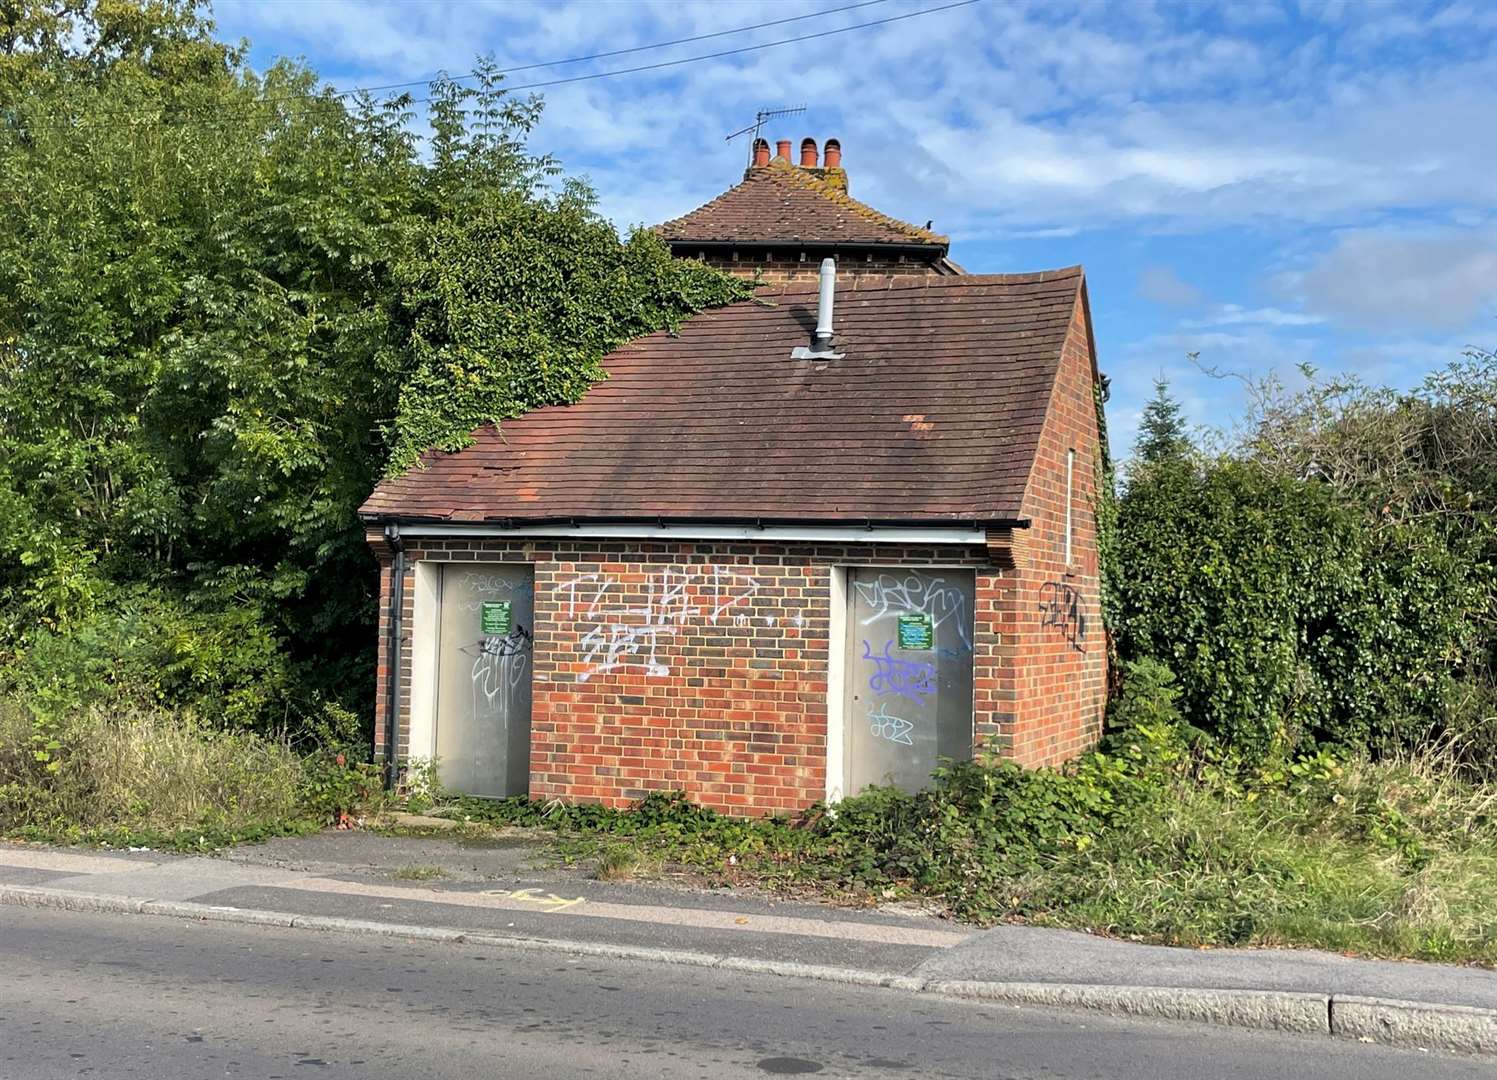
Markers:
point(513, 305)
point(192, 286)
point(225, 298)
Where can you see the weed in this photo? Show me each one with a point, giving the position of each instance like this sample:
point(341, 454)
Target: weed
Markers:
point(421, 785)
point(419, 872)
point(617, 863)
point(1159, 836)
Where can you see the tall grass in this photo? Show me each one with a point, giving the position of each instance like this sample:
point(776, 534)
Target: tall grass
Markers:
point(1388, 858)
point(1385, 858)
point(140, 773)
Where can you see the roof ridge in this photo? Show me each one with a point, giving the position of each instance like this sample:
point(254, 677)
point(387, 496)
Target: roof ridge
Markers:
point(779, 167)
point(789, 186)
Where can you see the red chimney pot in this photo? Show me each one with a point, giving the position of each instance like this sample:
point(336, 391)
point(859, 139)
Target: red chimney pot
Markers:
point(808, 153)
point(761, 153)
point(782, 149)
point(833, 157)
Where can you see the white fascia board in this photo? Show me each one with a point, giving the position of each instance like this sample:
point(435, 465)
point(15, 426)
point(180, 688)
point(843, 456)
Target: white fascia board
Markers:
point(843, 534)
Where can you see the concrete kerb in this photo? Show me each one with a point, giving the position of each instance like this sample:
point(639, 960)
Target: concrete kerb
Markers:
point(1398, 1023)
point(1266, 1010)
point(1415, 1023)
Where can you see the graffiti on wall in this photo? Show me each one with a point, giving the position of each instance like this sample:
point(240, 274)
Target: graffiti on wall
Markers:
point(911, 679)
point(883, 725)
point(616, 632)
point(891, 595)
point(1062, 607)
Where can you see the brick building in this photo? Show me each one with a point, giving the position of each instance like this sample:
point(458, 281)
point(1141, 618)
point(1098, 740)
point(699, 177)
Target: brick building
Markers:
point(759, 563)
point(783, 219)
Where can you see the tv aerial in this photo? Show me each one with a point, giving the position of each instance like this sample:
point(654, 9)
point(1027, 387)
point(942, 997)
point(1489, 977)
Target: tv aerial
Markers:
point(759, 118)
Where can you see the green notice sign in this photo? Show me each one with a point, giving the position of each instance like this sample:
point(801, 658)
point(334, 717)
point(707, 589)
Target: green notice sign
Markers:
point(494, 617)
point(916, 632)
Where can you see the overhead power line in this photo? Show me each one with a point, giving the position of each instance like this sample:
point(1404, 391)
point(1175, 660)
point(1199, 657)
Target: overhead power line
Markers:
point(735, 52)
point(315, 103)
point(617, 52)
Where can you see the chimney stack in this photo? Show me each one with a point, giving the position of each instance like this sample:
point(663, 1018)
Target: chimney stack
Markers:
point(808, 153)
point(782, 149)
point(833, 159)
point(761, 153)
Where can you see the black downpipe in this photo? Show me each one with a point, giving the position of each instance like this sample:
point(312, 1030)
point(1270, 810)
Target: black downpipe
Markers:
point(392, 649)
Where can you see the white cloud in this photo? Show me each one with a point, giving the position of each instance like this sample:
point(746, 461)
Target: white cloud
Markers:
point(994, 119)
point(1237, 315)
point(1381, 279)
point(1163, 285)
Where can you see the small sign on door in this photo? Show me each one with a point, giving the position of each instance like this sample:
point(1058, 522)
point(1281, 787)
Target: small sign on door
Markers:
point(916, 632)
point(494, 618)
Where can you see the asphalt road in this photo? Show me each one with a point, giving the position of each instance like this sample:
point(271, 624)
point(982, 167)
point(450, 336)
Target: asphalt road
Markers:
point(133, 996)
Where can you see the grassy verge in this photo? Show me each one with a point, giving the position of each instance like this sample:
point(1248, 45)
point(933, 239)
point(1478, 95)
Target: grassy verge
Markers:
point(1148, 841)
point(139, 777)
point(1156, 837)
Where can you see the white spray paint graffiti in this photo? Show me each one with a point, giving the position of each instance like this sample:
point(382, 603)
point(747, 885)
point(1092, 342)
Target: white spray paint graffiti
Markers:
point(621, 633)
point(893, 728)
point(499, 668)
point(890, 595)
point(478, 583)
point(500, 664)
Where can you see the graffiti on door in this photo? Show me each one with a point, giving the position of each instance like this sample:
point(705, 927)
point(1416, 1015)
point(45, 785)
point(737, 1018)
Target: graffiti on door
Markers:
point(891, 595)
point(883, 725)
point(500, 665)
point(892, 675)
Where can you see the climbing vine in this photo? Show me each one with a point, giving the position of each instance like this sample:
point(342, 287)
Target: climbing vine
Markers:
point(512, 306)
point(1106, 513)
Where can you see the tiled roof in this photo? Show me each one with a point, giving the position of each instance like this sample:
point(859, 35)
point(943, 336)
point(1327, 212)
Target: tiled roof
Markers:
point(780, 203)
point(933, 413)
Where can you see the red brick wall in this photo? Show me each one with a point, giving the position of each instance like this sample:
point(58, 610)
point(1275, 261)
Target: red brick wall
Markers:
point(720, 690)
point(1061, 670)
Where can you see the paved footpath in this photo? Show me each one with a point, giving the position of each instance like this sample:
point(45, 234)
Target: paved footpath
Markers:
point(494, 894)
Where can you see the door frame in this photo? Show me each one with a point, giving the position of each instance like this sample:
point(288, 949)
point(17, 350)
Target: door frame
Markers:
point(838, 643)
point(426, 648)
point(426, 608)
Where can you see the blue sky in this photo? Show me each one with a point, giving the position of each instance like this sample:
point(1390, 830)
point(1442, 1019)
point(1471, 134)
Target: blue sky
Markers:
point(1262, 183)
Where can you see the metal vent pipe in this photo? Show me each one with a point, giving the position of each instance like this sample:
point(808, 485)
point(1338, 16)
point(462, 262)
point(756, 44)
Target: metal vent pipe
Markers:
point(824, 301)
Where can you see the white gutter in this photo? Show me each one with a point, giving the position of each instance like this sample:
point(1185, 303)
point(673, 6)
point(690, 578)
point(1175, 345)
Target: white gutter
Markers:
point(836, 534)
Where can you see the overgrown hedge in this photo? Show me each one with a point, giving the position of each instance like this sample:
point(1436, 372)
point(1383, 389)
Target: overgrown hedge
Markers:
point(1288, 616)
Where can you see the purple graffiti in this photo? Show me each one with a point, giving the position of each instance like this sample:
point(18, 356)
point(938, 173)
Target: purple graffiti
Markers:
point(891, 675)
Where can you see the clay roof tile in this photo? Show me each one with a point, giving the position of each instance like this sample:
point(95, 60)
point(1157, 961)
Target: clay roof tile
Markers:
point(933, 413)
point(781, 203)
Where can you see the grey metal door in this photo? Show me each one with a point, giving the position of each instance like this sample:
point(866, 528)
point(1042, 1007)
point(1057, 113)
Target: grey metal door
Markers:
point(909, 675)
point(484, 637)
